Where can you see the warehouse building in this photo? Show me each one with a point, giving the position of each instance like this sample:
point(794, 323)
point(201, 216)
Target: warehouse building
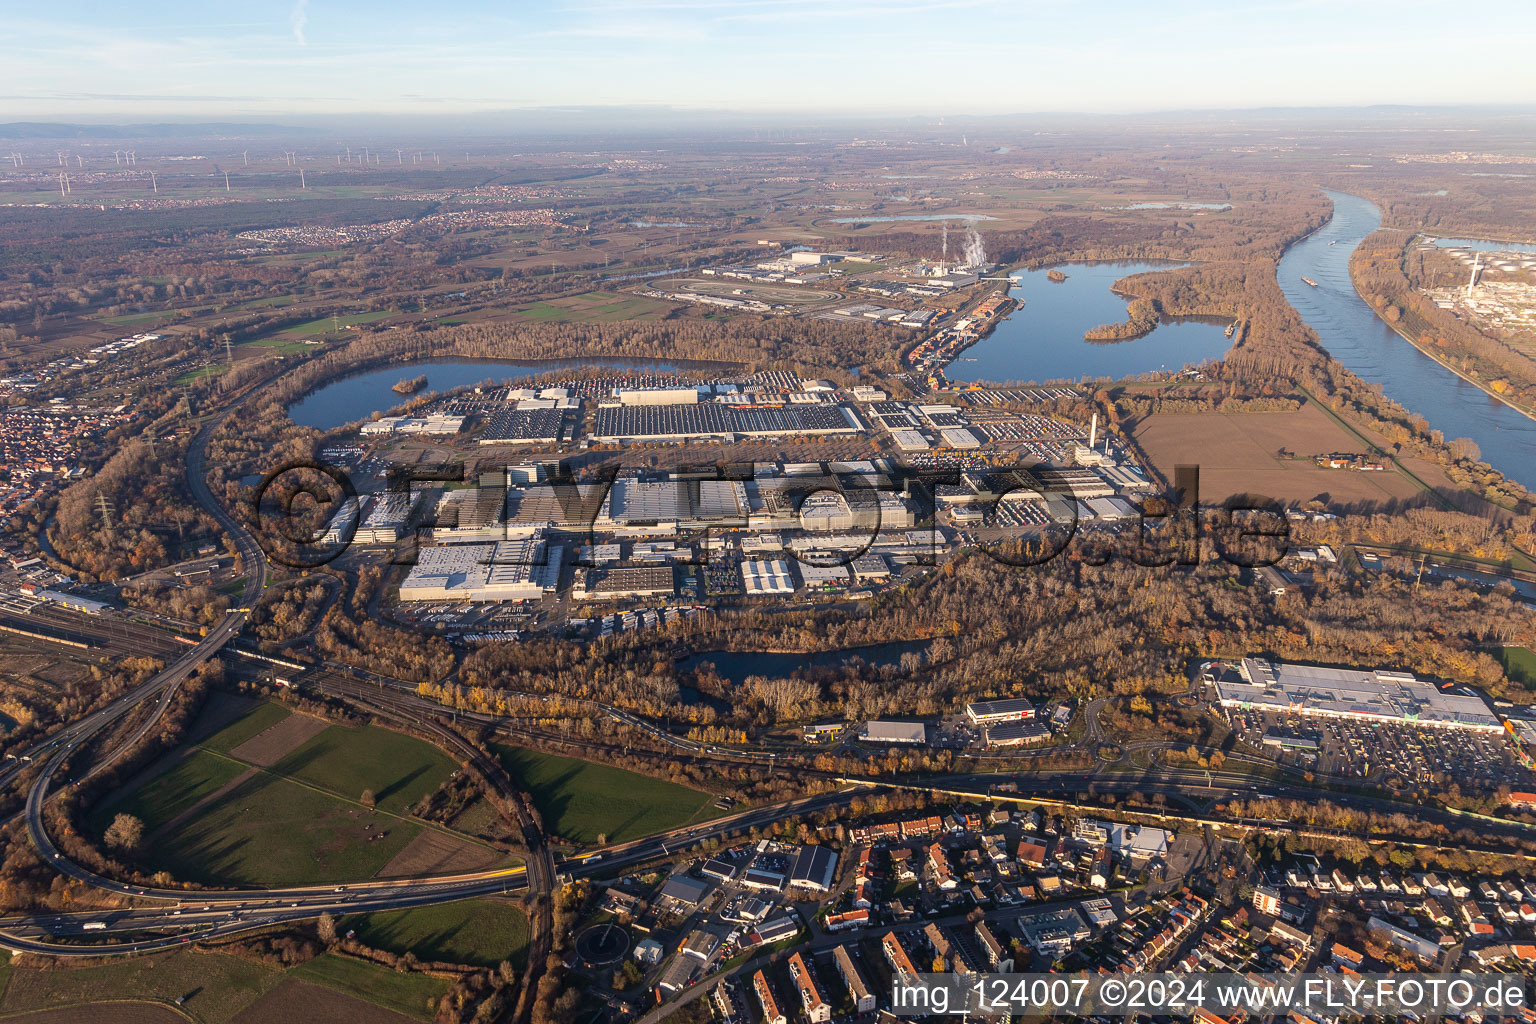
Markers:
point(632, 503)
point(823, 576)
point(960, 437)
point(814, 870)
point(658, 396)
point(509, 570)
point(766, 577)
point(640, 581)
point(713, 419)
point(909, 440)
point(985, 712)
point(871, 566)
point(1016, 734)
point(1370, 694)
point(685, 891)
point(1111, 509)
point(523, 426)
point(1079, 483)
point(386, 518)
point(915, 733)
point(436, 424)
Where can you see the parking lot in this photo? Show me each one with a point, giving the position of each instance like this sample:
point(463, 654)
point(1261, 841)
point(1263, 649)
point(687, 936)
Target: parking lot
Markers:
point(1420, 757)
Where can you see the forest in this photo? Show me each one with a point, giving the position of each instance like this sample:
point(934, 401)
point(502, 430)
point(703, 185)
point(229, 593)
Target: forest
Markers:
point(133, 514)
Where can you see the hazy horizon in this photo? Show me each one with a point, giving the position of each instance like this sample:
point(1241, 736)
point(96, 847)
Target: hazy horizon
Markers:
point(776, 58)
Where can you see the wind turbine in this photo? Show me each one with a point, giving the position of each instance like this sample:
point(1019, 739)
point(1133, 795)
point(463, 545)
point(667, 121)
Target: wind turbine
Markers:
point(398, 158)
point(61, 157)
point(245, 155)
point(79, 161)
point(301, 179)
point(226, 181)
point(117, 157)
point(153, 183)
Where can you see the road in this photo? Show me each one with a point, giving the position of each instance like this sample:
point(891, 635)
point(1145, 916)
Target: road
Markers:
point(203, 914)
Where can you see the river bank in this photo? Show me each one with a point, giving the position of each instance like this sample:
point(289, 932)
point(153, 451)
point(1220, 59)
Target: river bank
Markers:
point(1354, 335)
point(1475, 382)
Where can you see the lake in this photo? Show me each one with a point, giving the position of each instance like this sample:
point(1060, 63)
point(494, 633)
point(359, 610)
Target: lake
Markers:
point(360, 395)
point(1354, 335)
point(1044, 340)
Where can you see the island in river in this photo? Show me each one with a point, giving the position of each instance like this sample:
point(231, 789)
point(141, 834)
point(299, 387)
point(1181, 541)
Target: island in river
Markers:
point(410, 385)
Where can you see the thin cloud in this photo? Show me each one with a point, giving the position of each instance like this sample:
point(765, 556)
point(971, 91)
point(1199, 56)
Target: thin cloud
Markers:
point(297, 19)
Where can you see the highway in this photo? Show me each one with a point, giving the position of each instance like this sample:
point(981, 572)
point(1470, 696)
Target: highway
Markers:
point(203, 914)
point(187, 915)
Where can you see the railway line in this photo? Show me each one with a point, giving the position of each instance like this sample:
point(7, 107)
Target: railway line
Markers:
point(196, 914)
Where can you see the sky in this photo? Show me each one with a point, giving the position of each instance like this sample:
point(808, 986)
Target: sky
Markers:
point(175, 59)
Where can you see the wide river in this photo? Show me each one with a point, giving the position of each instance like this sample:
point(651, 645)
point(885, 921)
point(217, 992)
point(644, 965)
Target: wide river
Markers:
point(1354, 335)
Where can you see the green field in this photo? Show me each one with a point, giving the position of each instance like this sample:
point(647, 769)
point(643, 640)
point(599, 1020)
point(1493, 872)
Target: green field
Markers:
point(593, 306)
point(410, 994)
point(159, 801)
point(199, 374)
point(270, 302)
point(326, 324)
point(281, 346)
point(580, 800)
point(130, 319)
point(299, 822)
point(269, 831)
point(1519, 665)
point(400, 770)
point(479, 932)
point(218, 986)
point(258, 719)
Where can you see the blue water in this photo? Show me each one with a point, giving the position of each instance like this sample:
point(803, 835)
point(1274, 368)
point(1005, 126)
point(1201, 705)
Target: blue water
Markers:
point(1486, 245)
point(361, 395)
point(1044, 340)
point(1354, 335)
